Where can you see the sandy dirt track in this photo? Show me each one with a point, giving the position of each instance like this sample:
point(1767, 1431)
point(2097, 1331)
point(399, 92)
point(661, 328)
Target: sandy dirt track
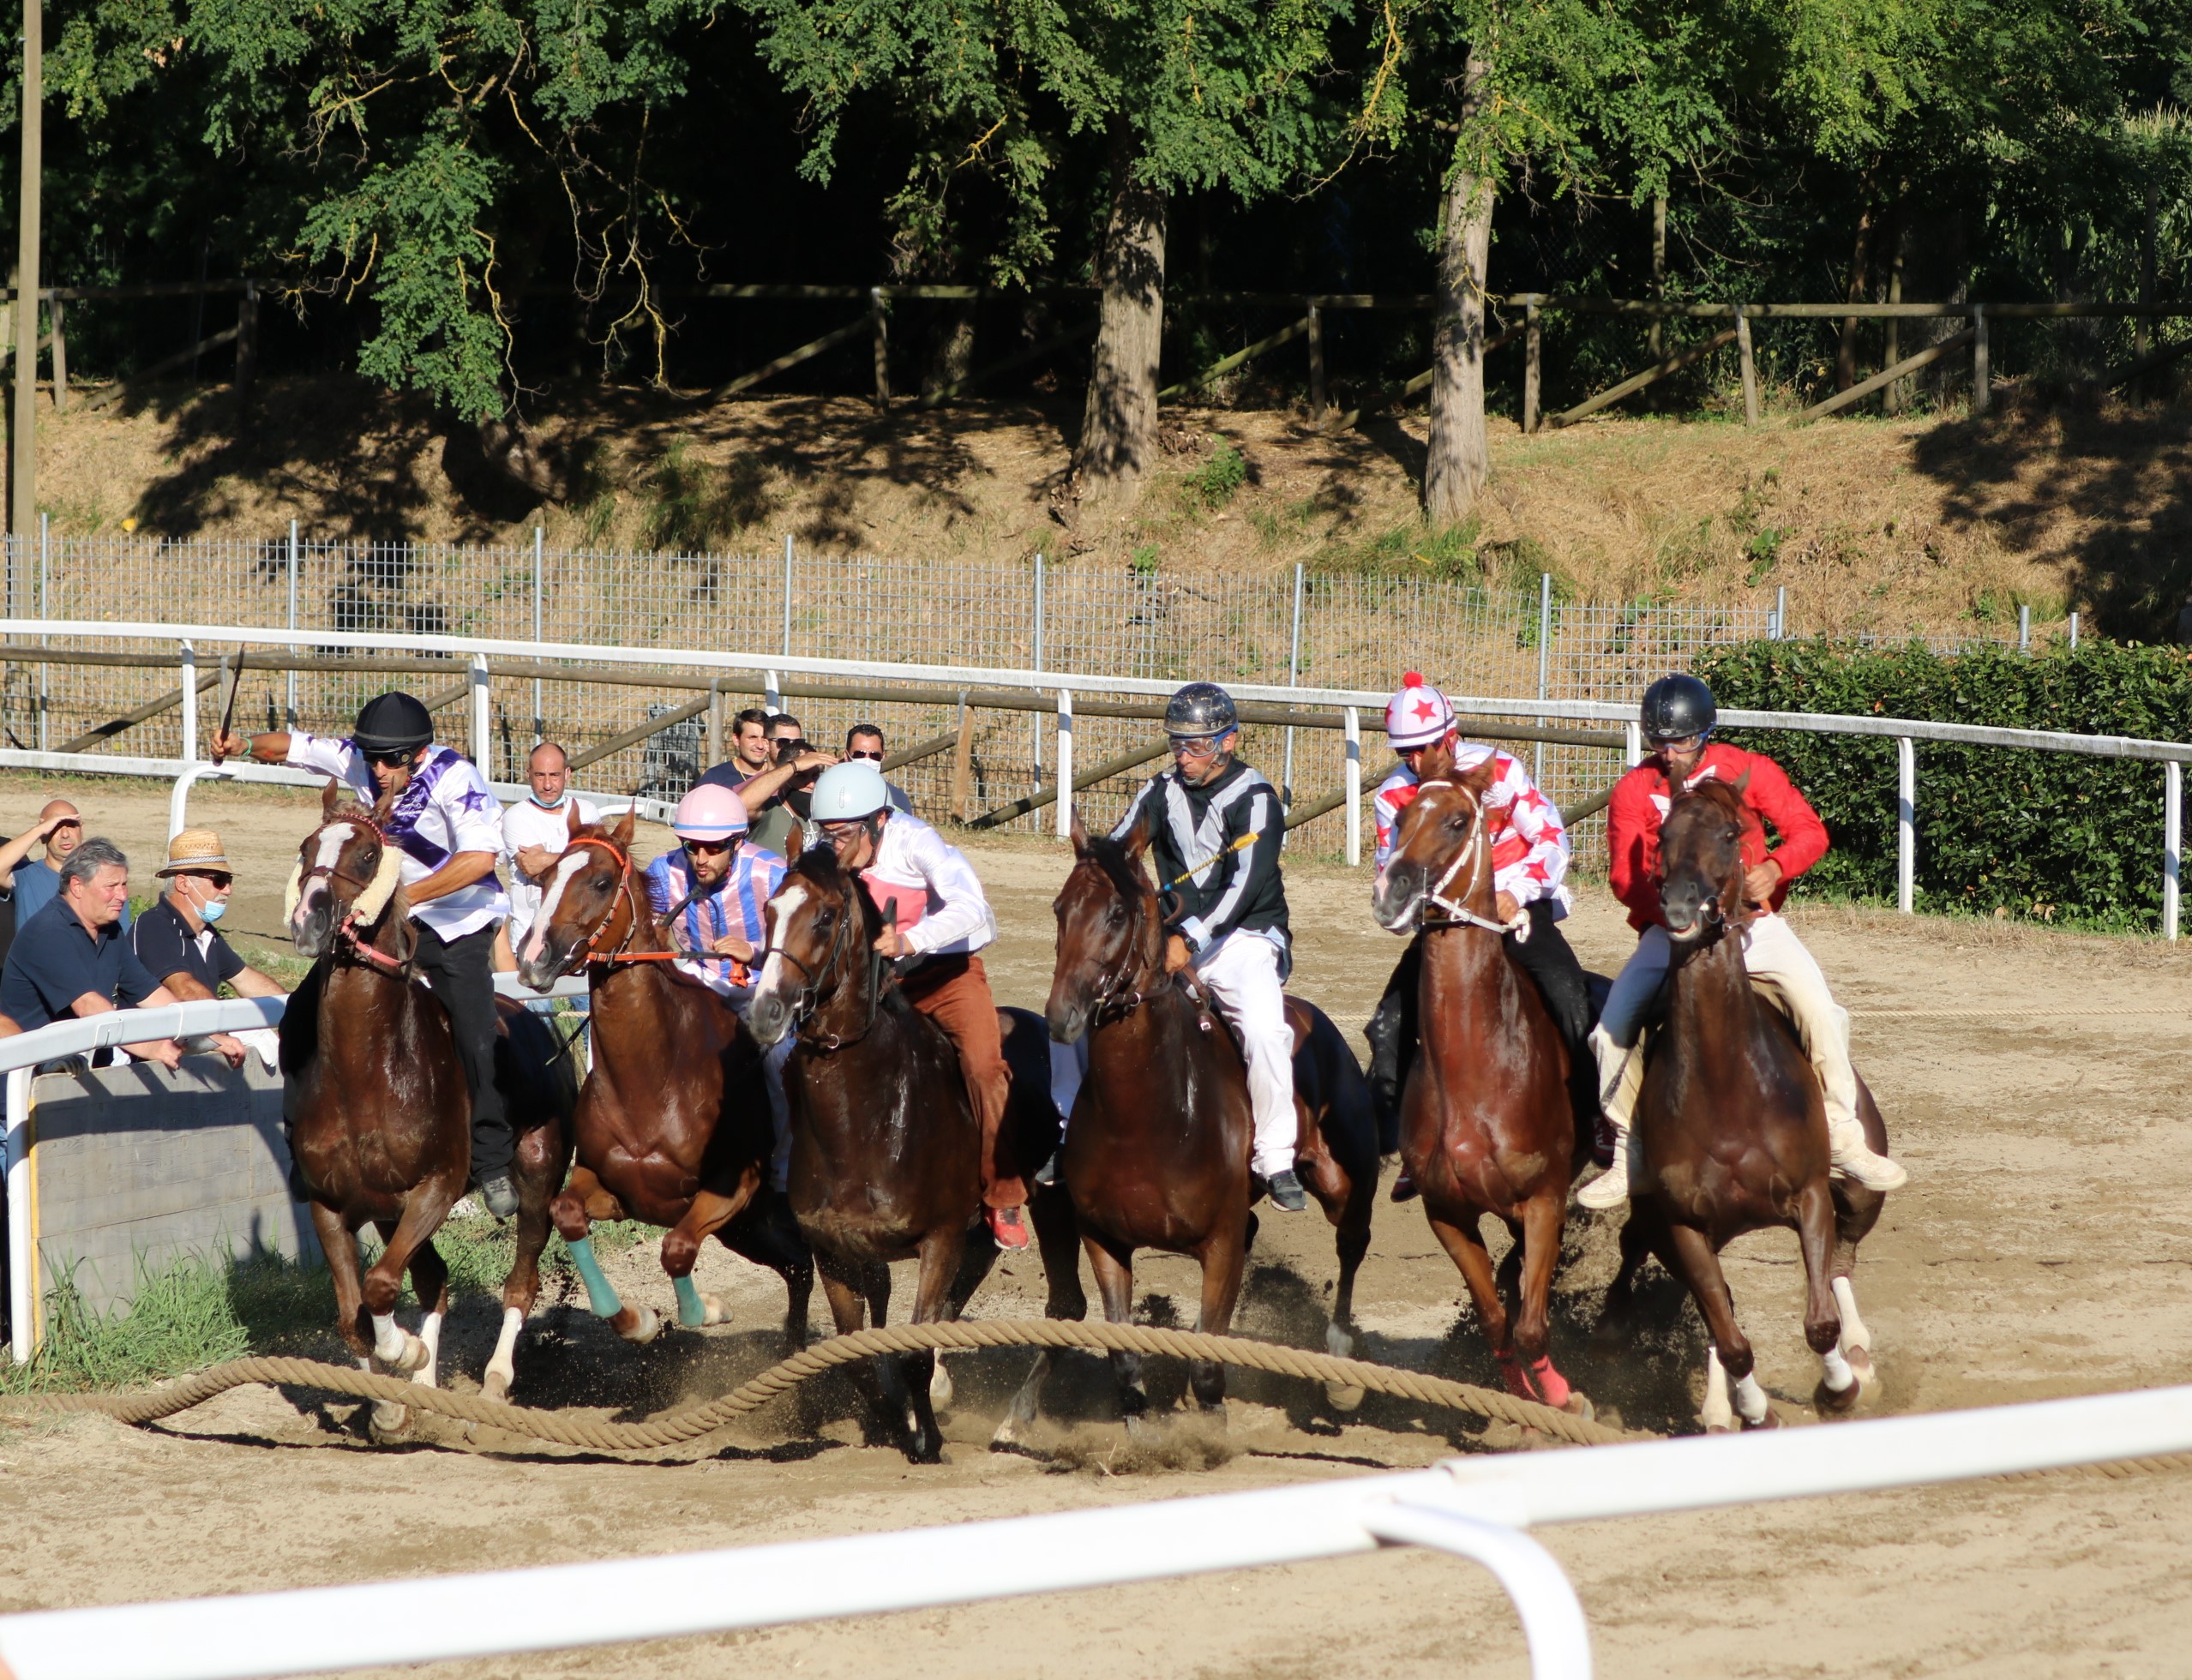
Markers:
point(2041, 1250)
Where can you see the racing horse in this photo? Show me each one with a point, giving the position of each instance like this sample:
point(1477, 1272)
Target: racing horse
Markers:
point(886, 1154)
point(380, 1121)
point(673, 1126)
point(1156, 1151)
point(1733, 1129)
point(1487, 1122)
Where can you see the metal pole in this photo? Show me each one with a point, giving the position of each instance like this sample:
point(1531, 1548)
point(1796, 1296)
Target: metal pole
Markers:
point(26, 242)
point(189, 703)
point(1906, 821)
point(483, 739)
point(1064, 764)
point(2024, 629)
point(2074, 632)
point(1351, 739)
point(1780, 614)
point(787, 595)
point(1544, 665)
point(1035, 723)
point(1982, 372)
point(1632, 750)
point(772, 692)
point(289, 718)
point(1293, 681)
point(540, 717)
point(2172, 844)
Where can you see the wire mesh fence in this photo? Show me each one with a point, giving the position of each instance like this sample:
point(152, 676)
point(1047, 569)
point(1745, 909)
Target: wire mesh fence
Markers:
point(1347, 631)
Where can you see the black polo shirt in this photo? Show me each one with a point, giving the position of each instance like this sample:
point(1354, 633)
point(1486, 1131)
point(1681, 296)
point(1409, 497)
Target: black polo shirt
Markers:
point(165, 946)
point(56, 959)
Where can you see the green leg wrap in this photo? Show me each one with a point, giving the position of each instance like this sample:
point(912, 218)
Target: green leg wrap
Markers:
point(690, 1312)
point(599, 1295)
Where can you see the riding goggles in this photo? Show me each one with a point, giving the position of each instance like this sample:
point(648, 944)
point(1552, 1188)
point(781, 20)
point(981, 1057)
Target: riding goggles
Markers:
point(1194, 747)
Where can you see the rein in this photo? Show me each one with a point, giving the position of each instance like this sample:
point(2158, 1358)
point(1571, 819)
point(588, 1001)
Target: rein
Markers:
point(1477, 857)
point(348, 944)
point(583, 955)
point(808, 998)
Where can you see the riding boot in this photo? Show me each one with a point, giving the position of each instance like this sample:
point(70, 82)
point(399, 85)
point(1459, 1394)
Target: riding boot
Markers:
point(1391, 1032)
point(461, 975)
point(1856, 1160)
point(1550, 960)
point(1621, 1075)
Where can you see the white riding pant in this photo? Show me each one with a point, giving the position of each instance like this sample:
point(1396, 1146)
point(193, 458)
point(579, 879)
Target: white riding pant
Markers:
point(1782, 969)
point(1241, 974)
point(772, 1063)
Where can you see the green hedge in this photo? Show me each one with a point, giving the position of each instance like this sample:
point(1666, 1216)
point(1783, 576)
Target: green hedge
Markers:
point(2054, 835)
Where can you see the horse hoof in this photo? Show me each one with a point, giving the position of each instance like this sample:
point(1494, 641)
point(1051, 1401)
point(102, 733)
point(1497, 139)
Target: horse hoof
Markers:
point(1829, 1404)
point(940, 1386)
point(1578, 1406)
point(391, 1424)
point(1718, 1428)
point(1006, 1436)
point(495, 1385)
point(636, 1323)
point(1771, 1420)
point(713, 1311)
point(1342, 1397)
point(410, 1356)
point(1860, 1364)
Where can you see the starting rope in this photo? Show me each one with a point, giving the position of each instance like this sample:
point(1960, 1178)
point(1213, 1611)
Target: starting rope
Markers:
point(690, 1423)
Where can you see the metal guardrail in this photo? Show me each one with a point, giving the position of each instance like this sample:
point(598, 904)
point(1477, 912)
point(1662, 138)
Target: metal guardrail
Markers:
point(1478, 1508)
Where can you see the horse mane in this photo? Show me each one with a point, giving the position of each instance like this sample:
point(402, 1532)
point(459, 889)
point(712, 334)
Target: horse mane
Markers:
point(1125, 873)
point(1715, 791)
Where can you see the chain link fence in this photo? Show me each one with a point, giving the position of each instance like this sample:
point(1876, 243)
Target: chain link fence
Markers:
point(1347, 630)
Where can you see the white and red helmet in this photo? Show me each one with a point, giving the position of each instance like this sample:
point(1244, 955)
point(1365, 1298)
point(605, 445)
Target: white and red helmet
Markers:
point(1419, 715)
point(710, 812)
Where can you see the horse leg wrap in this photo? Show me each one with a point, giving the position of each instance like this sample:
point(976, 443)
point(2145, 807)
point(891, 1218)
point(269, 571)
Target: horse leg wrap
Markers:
point(1552, 1387)
point(691, 1313)
point(1839, 1375)
point(599, 1296)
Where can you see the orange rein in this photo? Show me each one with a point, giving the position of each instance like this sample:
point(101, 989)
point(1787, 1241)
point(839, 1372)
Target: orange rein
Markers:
point(739, 975)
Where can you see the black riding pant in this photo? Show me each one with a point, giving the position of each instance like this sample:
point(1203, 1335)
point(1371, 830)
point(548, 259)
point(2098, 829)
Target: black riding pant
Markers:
point(462, 973)
point(1394, 1035)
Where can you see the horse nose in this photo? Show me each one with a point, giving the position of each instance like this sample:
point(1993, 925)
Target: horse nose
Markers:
point(1393, 898)
point(1067, 1021)
point(765, 1019)
point(1679, 903)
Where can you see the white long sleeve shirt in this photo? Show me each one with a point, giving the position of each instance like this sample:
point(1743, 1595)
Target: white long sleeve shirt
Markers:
point(917, 873)
point(447, 809)
point(526, 823)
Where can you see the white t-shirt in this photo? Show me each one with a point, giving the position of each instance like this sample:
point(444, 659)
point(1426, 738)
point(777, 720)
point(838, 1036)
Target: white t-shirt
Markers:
point(526, 823)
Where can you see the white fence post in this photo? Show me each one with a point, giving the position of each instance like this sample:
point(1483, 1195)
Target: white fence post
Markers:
point(483, 733)
point(772, 692)
point(1544, 666)
point(1553, 1624)
point(22, 1256)
point(2172, 838)
point(189, 703)
point(1632, 743)
point(2074, 632)
point(1064, 764)
point(1351, 735)
point(1906, 821)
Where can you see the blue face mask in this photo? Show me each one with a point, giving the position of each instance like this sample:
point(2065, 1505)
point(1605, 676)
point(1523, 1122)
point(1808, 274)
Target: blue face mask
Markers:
point(212, 910)
point(556, 804)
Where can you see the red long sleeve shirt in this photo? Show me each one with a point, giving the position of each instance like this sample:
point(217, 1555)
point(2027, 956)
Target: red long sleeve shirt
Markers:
point(1640, 803)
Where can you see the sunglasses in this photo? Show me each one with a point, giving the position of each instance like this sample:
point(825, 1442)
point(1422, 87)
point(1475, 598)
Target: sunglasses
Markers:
point(390, 760)
point(710, 848)
point(862, 752)
point(219, 883)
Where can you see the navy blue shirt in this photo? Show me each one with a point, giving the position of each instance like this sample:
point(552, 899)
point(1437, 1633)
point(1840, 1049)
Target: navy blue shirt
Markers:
point(56, 959)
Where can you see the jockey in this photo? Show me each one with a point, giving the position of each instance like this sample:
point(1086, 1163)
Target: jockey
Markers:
point(1678, 714)
point(710, 890)
point(936, 910)
point(1530, 860)
point(1215, 827)
point(447, 827)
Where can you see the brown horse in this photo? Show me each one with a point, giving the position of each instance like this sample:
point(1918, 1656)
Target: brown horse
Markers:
point(1156, 1153)
point(1488, 1124)
point(1733, 1128)
point(886, 1156)
point(674, 1124)
point(380, 1121)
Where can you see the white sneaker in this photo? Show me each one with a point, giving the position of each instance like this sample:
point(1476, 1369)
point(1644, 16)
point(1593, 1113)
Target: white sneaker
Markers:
point(1855, 1159)
point(1611, 1188)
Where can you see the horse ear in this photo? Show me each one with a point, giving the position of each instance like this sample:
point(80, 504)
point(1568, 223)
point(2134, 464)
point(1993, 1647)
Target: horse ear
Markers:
point(795, 841)
point(330, 797)
point(1437, 761)
point(1743, 782)
point(570, 823)
point(1137, 841)
point(383, 806)
point(1080, 834)
point(1481, 775)
point(622, 834)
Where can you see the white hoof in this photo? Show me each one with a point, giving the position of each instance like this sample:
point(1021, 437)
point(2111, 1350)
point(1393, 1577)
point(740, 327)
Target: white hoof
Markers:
point(496, 1384)
point(1860, 1365)
point(402, 1355)
point(645, 1327)
point(1008, 1432)
point(390, 1422)
point(939, 1385)
point(713, 1311)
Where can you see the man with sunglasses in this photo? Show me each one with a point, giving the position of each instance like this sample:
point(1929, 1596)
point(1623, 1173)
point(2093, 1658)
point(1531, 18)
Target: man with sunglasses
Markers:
point(864, 745)
point(180, 947)
point(1529, 865)
point(447, 827)
point(936, 910)
point(1215, 828)
point(1678, 716)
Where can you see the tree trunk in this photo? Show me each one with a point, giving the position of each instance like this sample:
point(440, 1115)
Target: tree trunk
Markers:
point(1458, 460)
point(1860, 262)
point(1119, 425)
point(952, 359)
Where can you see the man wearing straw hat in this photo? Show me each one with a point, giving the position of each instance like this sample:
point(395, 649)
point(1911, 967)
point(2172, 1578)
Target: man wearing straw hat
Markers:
point(178, 943)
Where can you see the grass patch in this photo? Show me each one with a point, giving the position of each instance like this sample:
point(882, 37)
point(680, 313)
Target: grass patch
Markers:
point(1409, 550)
point(1218, 480)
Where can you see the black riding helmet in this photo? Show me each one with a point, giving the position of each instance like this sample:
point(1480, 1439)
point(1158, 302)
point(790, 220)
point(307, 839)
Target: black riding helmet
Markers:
point(1200, 709)
point(391, 723)
point(1676, 707)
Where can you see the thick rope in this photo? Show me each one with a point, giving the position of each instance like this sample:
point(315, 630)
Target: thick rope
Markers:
point(690, 1423)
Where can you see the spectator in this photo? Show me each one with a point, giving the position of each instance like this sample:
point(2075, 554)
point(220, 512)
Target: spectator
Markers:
point(865, 741)
point(176, 941)
point(535, 830)
point(766, 795)
point(71, 959)
point(35, 880)
point(751, 752)
point(12, 854)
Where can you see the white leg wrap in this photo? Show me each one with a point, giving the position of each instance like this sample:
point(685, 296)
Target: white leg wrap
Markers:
point(1855, 1333)
point(430, 1334)
point(1839, 1375)
point(505, 1362)
point(1750, 1399)
point(387, 1340)
point(1716, 1412)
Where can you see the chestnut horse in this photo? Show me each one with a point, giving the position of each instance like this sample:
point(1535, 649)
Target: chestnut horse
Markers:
point(673, 1126)
point(1157, 1150)
point(1487, 1122)
point(1733, 1128)
point(380, 1121)
point(887, 1153)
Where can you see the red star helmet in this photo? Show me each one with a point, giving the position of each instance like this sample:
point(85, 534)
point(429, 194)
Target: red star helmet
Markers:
point(1419, 715)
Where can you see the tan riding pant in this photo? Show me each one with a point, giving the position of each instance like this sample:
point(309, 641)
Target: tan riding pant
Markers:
point(1785, 973)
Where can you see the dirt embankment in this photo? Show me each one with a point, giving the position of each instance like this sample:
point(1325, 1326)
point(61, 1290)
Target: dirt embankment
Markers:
point(1944, 526)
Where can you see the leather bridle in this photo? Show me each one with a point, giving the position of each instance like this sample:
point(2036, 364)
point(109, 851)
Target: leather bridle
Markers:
point(348, 944)
point(1476, 857)
point(808, 998)
point(583, 954)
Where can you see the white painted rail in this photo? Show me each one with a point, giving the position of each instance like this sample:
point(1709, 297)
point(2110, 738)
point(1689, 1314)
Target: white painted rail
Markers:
point(1477, 1508)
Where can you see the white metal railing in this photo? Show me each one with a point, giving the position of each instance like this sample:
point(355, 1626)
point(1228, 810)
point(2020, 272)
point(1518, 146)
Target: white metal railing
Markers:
point(1478, 1508)
point(479, 652)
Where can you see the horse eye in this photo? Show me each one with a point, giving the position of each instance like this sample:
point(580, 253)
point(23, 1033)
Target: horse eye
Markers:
point(1117, 913)
point(604, 880)
point(823, 920)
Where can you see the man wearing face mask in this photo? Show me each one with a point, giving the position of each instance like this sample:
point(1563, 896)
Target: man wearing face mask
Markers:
point(447, 828)
point(535, 830)
point(175, 940)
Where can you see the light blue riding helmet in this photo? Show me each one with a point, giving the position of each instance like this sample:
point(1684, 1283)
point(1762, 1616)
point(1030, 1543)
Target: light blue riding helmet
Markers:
point(846, 793)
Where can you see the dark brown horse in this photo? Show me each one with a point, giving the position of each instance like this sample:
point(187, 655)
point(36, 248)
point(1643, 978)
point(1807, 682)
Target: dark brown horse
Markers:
point(1156, 1152)
point(380, 1121)
point(886, 1156)
point(1733, 1127)
point(673, 1126)
point(1488, 1124)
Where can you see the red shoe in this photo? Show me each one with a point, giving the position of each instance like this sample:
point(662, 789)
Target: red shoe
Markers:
point(1009, 1227)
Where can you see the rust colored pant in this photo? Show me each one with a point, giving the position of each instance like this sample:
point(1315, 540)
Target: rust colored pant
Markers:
point(953, 992)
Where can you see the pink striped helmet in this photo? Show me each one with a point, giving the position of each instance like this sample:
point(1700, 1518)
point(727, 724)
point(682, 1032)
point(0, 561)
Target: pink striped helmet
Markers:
point(1419, 715)
point(710, 812)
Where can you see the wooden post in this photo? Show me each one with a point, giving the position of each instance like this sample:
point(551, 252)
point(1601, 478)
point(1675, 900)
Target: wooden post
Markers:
point(22, 517)
point(1892, 401)
point(1533, 369)
point(247, 341)
point(714, 721)
point(963, 763)
point(1659, 272)
point(882, 346)
point(1749, 365)
point(1982, 379)
point(1316, 362)
point(60, 358)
